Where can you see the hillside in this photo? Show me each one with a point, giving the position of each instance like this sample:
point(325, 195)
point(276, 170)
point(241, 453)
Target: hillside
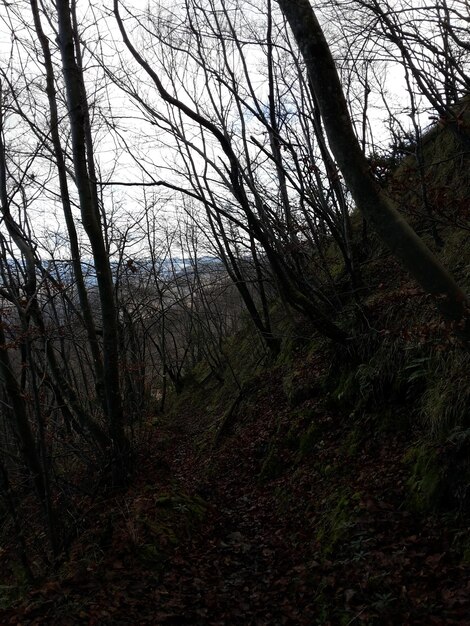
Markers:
point(328, 486)
point(235, 313)
point(302, 511)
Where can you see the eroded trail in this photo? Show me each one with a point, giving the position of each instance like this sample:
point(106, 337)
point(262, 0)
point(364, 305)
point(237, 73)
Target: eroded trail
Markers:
point(240, 567)
point(234, 534)
point(233, 566)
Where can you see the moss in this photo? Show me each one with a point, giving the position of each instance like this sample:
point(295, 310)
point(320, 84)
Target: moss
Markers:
point(284, 499)
point(292, 346)
point(440, 473)
point(298, 390)
point(152, 556)
point(11, 593)
point(444, 172)
point(163, 532)
point(395, 419)
point(426, 480)
point(377, 378)
point(337, 519)
point(309, 440)
point(345, 391)
point(328, 470)
point(352, 443)
point(305, 430)
point(466, 553)
point(292, 438)
point(460, 547)
point(446, 401)
point(273, 465)
point(204, 392)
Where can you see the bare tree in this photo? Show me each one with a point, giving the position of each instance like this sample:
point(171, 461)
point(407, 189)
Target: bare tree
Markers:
point(206, 130)
point(369, 197)
point(85, 177)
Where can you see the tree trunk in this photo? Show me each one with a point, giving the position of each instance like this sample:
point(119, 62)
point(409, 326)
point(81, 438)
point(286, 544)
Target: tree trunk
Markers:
point(376, 206)
point(89, 207)
point(65, 199)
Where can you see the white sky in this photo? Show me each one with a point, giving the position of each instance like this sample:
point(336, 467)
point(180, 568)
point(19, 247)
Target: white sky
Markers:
point(152, 148)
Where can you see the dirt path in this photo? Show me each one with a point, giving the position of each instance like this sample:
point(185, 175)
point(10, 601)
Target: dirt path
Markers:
point(237, 569)
point(257, 555)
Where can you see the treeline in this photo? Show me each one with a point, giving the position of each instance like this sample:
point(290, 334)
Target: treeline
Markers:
point(227, 130)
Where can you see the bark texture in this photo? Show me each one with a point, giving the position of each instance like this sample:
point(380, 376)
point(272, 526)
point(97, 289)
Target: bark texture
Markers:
point(90, 212)
point(376, 206)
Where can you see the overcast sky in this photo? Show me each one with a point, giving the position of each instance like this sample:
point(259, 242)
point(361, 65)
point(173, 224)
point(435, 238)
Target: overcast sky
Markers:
point(132, 143)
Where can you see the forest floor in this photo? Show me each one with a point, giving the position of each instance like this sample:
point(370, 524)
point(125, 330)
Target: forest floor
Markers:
point(234, 534)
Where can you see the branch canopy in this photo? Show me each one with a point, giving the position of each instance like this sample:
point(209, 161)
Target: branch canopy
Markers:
point(376, 206)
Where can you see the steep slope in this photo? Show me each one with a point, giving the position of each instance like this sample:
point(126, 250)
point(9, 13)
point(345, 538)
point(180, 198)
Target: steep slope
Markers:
point(327, 487)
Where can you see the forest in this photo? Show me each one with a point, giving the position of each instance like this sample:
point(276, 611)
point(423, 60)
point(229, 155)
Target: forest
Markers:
point(234, 312)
